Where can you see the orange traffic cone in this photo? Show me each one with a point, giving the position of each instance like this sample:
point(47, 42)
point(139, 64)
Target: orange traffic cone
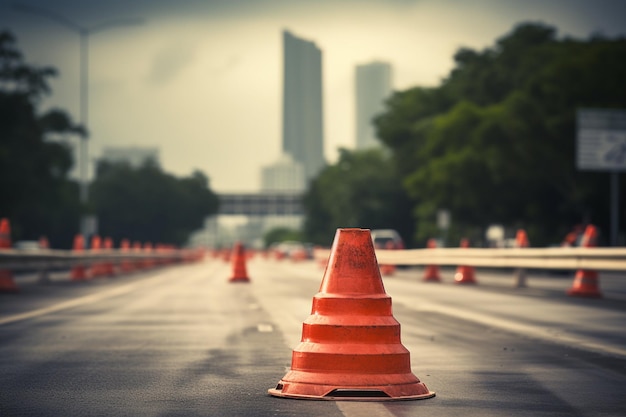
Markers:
point(464, 273)
point(431, 272)
point(7, 284)
point(138, 263)
point(98, 269)
point(350, 348)
point(147, 249)
point(107, 267)
point(298, 255)
point(586, 281)
point(43, 243)
point(78, 272)
point(521, 241)
point(126, 265)
point(388, 269)
point(240, 273)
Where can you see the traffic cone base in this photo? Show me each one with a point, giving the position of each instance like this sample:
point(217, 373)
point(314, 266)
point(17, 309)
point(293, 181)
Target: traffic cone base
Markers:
point(431, 274)
point(412, 389)
point(7, 284)
point(585, 284)
point(464, 275)
point(78, 273)
point(350, 348)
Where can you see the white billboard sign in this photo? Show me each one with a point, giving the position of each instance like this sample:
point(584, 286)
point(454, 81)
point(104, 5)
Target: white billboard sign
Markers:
point(601, 140)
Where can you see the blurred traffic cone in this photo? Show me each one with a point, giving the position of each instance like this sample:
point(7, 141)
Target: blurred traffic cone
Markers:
point(138, 262)
point(147, 249)
point(431, 272)
point(97, 268)
point(43, 243)
point(521, 241)
point(107, 268)
point(586, 281)
point(464, 273)
point(7, 284)
point(298, 255)
point(126, 265)
point(78, 272)
point(350, 347)
point(388, 269)
point(240, 274)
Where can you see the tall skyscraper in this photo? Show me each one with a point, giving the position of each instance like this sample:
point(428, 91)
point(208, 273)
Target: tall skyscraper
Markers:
point(303, 123)
point(373, 87)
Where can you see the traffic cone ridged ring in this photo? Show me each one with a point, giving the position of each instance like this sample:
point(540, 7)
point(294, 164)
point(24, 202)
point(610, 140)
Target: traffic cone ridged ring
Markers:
point(350, 347)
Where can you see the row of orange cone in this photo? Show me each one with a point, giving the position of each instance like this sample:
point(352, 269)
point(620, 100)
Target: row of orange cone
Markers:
point(108, 268)
point(586, 282)
point(99, 269)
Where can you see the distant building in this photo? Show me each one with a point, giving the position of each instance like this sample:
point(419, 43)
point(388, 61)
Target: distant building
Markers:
point(285, 175)
point(372, 87)
point(134, 156)
point(303, 125)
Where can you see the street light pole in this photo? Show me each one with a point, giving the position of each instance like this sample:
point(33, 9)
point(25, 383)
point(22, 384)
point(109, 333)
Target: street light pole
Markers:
point(84, 34)
point(84, 99)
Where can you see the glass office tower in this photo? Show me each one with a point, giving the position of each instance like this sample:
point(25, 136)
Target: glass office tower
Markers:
point(303, 122)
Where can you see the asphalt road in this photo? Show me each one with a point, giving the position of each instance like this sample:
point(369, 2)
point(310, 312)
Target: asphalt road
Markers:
point(183, 341)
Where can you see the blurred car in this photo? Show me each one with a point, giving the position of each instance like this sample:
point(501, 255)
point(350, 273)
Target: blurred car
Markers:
point(27, 245)
point(387, 239)
point(289, 247)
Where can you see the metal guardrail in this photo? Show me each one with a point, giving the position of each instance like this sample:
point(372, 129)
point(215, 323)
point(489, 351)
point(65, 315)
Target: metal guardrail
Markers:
point(15, 259)
point(610, 259)
point(533, 258)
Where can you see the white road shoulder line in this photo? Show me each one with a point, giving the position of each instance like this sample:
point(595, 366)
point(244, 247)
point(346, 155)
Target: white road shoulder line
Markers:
point(91, 298)
point(538, 332)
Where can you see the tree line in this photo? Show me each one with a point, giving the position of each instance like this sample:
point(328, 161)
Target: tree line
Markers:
point(494, 143)
point(37, 194)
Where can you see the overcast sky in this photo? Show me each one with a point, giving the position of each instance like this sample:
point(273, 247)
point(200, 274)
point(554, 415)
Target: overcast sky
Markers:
point(201, 80)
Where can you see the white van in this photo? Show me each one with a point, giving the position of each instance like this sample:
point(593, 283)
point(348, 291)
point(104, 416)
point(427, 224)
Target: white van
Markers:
point(383, 238)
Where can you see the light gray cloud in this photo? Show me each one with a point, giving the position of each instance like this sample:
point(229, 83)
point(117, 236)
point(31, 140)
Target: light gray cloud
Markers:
point(169, 62)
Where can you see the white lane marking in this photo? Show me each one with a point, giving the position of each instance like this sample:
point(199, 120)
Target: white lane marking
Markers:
point(538, 332)
point(87, 299)
point(264, 328)
point(363, 409)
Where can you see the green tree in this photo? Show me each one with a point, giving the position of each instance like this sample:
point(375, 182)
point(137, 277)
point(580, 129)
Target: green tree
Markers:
point(148, 205)
point(360, 190)
point(495, 142)
point(35, 192)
